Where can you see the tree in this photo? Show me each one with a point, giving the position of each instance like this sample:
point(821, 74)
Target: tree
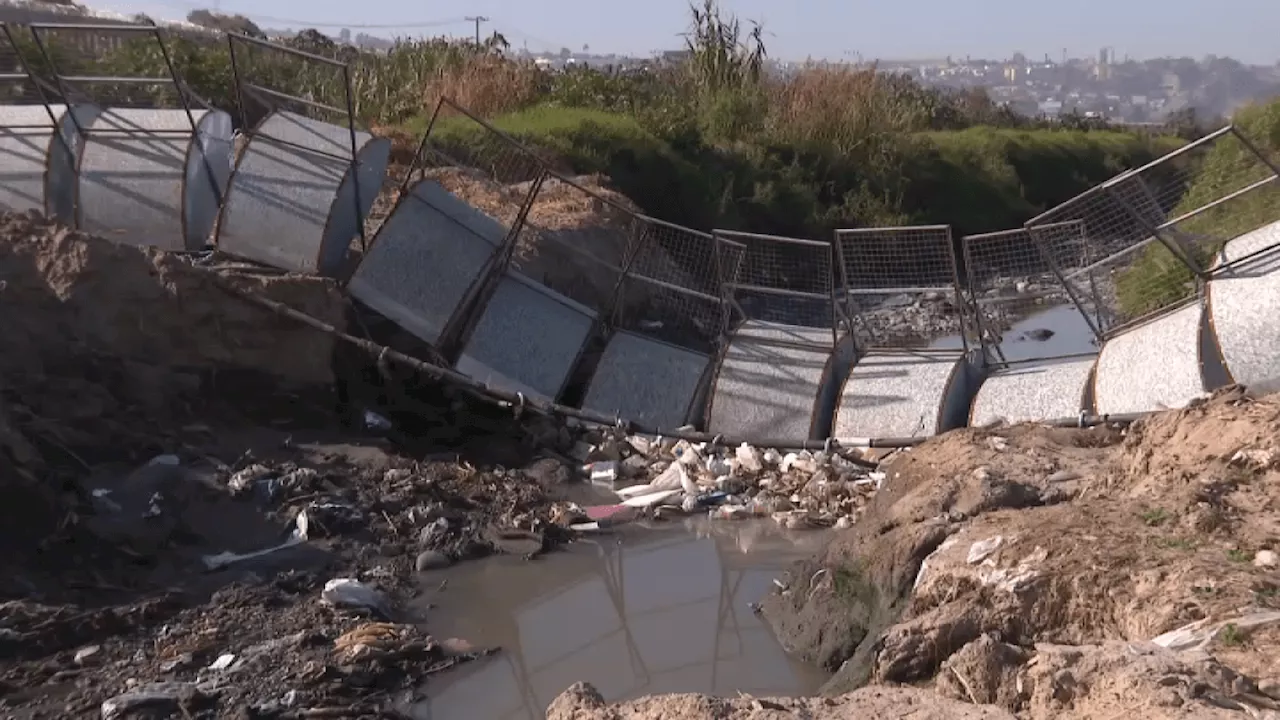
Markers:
point(225, 23)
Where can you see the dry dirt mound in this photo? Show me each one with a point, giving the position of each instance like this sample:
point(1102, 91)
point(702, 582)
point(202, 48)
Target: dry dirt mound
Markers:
point(61, 288)
point(583, 702)
point(574, 231)
point(986, 544)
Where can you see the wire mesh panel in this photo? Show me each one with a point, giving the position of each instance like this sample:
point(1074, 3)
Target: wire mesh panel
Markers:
point(1153, 231)
point(576, 242)
point(18, 86)
point(901, 285)
point(307, 175)
point(475, 161)
point(1023, 311)
point(673, 289)
point(670, 317)
point(114, 66)
point(785, 281)
point(460, 201)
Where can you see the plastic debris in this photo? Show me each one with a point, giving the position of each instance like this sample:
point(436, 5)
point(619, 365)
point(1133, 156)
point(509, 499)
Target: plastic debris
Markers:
point(665, 478)
point(351, 593)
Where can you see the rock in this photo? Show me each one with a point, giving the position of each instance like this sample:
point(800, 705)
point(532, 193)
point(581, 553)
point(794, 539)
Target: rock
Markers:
point(1265, 559)
point(1270, 687)
point(431, 560)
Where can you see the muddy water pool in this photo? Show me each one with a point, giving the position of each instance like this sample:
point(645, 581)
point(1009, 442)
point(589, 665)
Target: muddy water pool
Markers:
point(1071, 336)
point(649, 609)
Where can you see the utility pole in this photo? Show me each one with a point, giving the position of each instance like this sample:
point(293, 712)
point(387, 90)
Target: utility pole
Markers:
point(477, 19)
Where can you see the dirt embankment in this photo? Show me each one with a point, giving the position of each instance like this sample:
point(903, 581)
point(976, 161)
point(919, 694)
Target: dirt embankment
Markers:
point(1052, 573)
point(155, 432)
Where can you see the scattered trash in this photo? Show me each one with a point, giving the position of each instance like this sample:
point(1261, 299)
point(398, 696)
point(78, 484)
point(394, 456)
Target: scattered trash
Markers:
point(301, 532)
point(85, 654)
point(351, 593)
point(665, 477)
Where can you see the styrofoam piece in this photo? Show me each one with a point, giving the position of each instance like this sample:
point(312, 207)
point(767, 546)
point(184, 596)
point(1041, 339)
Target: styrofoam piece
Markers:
point(1242, 305)
point(37, 171)
point(1155, 366)
point(292, 201)
point(425, 259)
point(148, 178)
point(527, 340)
point(765, 387)
point(904, 393)
point(646, 381)
point(1046, 390)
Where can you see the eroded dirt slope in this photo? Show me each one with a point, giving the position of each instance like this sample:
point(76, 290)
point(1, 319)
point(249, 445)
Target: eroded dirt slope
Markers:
point(1048, 573)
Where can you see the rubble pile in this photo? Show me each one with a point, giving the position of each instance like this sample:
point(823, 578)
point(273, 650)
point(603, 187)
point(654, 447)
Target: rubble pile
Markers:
point(665, 477)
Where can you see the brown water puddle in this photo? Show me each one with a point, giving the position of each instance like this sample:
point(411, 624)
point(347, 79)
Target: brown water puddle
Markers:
point(656, 609)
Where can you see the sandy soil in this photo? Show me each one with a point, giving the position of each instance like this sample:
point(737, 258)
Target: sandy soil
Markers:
point(150, 424)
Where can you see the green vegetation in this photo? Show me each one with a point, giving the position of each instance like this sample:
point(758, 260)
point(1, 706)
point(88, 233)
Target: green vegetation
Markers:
point(1154, 517)
point(1158, 279)
point(714, 140)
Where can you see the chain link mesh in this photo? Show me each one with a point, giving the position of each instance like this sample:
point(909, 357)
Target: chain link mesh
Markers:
point(674, 287)
point(902, 284)
point(576, 242)
point(1010, 277)
point(782, 280)
point(1151, 231)
point(476, 162)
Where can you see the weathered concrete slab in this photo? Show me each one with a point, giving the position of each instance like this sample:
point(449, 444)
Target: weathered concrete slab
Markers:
point(646, 381)
point(765, 387)
point(1242, 304)
point(527, 340)
point(904, 393)
point(1155, 366)
point(1046, 390)
point(426, 258)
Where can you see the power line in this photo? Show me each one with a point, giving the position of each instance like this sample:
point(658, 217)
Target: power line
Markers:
point(477, 19)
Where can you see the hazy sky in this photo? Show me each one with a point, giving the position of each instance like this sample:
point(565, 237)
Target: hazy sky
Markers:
point(832, 29)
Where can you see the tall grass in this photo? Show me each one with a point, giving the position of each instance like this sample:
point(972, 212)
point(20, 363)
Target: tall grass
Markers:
point(714, 140)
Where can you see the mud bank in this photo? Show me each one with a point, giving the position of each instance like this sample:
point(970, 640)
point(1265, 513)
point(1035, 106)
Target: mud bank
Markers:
point(1048, 573)
point(188, 530)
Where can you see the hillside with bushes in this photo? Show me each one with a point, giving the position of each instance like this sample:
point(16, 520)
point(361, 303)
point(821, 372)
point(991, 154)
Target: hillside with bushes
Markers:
point(714, 141)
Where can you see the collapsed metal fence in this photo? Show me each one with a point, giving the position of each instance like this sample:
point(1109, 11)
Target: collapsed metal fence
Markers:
point(1011, 276)
point(903, 286)
point(1139, 246)
point(1152, 233)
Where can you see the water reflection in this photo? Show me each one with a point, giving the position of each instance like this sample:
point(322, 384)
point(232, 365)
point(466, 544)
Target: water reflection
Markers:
point(1071, 336)
point(654, 611)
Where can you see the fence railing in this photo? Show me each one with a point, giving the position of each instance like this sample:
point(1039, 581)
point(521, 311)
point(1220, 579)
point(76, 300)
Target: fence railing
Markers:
point(902, 286)
point(789, 281)
point(1013, 277)
point(1153, 232)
